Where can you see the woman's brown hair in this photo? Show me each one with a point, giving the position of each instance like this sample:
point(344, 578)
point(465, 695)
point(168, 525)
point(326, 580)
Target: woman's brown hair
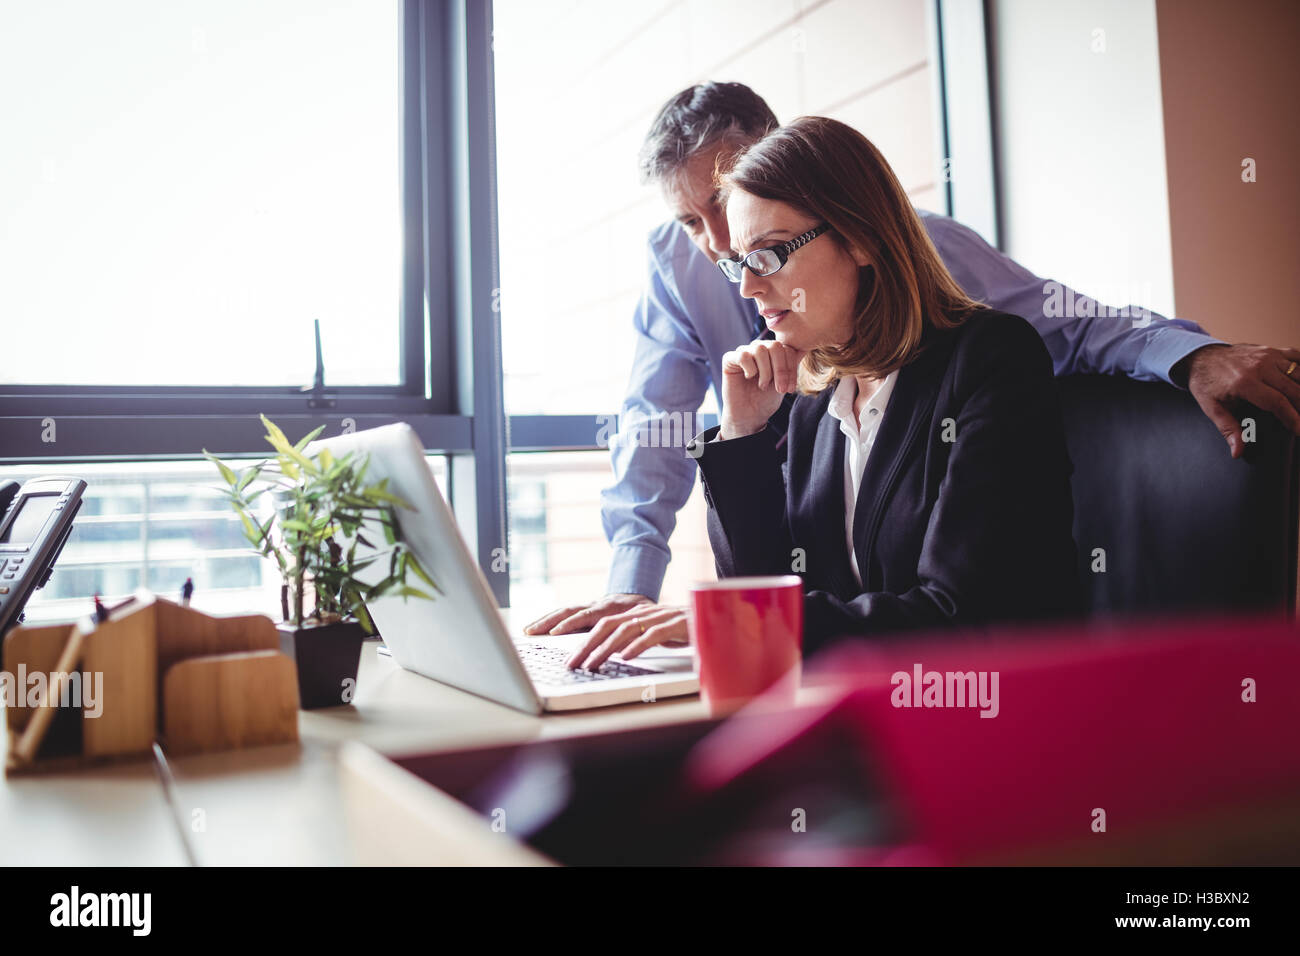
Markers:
point(832, 173)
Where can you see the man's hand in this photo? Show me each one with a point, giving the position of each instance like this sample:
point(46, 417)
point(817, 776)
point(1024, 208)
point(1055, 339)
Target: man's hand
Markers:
point(580, 617)
point(1221, 376)
point(631, 633)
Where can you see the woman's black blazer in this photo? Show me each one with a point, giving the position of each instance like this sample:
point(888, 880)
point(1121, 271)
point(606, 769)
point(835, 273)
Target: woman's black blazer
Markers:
point(964, 513)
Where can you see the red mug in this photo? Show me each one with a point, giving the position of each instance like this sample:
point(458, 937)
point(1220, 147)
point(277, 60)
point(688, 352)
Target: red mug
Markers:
point(748, 638)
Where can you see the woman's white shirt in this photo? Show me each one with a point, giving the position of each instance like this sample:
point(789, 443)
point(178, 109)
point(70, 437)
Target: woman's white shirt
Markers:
point(859, 437)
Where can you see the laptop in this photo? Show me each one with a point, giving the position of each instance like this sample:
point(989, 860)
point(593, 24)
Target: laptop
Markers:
point(460, 638)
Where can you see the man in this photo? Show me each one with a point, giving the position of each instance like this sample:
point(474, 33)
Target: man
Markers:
point(691, 316)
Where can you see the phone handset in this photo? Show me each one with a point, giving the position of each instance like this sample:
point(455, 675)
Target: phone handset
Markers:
point(35, 522)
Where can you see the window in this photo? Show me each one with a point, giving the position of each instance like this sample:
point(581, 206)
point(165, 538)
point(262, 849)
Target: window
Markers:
point(197, 181)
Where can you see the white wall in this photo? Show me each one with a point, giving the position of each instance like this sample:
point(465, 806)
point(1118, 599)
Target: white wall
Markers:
point(1081, 140)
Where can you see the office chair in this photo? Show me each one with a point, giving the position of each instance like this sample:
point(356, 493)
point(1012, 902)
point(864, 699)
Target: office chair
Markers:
point(1180, 525)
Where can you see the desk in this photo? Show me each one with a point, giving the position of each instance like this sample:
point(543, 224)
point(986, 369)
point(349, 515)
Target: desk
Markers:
point(307, 803)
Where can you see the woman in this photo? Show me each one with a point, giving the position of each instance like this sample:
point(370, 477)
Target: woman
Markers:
point(923, 479)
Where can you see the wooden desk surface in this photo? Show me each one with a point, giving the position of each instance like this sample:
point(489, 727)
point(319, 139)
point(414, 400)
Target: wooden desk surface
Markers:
point(107, 816)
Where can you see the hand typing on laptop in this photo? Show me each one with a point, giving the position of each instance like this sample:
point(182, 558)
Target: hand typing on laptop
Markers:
point(630, 623)
point(580, 617)
point(632, 632)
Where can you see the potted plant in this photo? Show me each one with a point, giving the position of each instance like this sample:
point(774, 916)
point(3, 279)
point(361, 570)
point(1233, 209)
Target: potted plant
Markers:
point(319, 507)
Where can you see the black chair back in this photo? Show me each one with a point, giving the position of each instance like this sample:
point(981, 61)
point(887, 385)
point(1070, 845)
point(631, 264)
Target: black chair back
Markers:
point(1177, 524)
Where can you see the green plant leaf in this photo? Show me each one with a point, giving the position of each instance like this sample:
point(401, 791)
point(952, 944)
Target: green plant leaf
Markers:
point(379, 495)
point(308, 438)
point(246, 477)
point(287, 451)
point(274, 435)
point(384, 586)
point(413, 563)
point(357, 608)
point(222, 467)
point(250, 529)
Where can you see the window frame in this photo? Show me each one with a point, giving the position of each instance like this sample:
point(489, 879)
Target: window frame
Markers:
point(966, 120)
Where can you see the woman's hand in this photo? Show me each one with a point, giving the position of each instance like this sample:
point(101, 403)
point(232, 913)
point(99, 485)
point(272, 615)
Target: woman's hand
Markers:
point(754, 378)
point(579, 617)
point(631, 633)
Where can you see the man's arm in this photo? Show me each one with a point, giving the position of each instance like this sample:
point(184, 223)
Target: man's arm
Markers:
point(653, 475)
point(1082, 335)
point(1086, 336)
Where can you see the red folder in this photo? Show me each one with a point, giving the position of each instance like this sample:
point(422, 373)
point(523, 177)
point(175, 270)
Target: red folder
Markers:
point(1156, 743)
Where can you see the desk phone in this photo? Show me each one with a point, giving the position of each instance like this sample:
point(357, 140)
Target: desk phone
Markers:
point(37, 519)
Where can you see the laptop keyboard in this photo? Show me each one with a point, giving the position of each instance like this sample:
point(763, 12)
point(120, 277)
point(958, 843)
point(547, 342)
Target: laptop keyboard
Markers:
point(545, 664)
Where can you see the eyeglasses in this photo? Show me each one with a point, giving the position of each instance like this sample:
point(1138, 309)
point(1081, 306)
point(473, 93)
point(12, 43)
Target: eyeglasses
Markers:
point(764, 262)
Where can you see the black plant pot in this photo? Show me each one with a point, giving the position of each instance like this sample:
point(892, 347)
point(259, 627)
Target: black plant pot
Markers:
point(327, 657)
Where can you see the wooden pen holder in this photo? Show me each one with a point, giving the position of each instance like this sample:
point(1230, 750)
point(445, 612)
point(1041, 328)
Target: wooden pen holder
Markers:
point(153, 671)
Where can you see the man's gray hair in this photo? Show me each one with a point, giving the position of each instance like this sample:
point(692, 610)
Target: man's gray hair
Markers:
point(697, 118)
